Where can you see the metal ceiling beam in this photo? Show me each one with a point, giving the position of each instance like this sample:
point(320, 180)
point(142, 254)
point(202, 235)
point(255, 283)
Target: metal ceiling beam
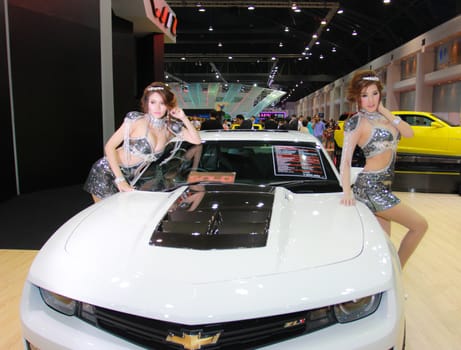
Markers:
point(256, 3)
point(171, 76)
point(198, 77)
point(216, 71)
point(238, 57)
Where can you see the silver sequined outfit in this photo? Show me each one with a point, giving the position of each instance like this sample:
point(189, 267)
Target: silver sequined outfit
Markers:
point(373, 188)
point(100, 181)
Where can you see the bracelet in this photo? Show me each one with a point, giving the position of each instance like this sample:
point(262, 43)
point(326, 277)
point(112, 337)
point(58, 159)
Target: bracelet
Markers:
point(396, 121)
point(119, 180)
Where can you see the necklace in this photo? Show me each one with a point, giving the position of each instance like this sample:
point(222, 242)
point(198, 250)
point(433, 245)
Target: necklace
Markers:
point(157, 123)
point(371, 115)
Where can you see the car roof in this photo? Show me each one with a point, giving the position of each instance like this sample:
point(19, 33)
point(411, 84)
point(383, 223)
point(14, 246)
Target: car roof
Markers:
point(257, 135)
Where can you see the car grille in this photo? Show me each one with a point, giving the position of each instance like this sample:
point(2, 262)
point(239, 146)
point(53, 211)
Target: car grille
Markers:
point(245, 334)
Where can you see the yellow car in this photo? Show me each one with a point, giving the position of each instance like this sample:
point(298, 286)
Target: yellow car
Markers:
point(256, 126)
point(435, 141)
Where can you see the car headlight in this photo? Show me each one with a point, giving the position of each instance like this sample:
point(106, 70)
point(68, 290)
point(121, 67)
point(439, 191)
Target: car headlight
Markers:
point(58, 302)
point(356, 309)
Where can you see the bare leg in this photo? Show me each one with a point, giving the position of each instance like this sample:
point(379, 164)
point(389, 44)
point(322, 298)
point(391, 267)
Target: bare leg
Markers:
point(416, 224)
point(385, 224)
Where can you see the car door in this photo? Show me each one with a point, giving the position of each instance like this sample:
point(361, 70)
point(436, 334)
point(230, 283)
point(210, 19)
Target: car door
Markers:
point(430, 135)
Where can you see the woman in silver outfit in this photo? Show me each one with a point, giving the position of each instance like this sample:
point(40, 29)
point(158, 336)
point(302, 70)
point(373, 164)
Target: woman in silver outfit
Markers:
point(139, 141)
point(377, 132)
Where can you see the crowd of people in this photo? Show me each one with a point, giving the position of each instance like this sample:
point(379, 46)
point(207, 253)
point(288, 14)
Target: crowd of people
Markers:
point(316, 125)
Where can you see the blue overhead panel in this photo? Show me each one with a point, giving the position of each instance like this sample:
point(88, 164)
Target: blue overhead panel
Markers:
point(273, 97)
point(213, 90)
point(195, 94)
point(232, 91)
point(237, 98)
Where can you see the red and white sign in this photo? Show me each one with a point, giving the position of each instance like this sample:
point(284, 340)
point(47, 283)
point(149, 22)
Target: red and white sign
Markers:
point(162, 16)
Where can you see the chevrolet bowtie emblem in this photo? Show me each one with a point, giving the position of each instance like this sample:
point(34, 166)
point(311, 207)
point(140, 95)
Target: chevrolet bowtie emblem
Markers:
point(193, 341)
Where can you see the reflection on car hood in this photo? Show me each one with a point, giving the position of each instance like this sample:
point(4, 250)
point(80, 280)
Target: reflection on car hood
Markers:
point(106, 254)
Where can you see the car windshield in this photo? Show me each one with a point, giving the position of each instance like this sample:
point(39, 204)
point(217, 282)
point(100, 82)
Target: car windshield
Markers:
point(300, 167)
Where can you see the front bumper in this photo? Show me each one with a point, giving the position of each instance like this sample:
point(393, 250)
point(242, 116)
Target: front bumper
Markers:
point(47, 329)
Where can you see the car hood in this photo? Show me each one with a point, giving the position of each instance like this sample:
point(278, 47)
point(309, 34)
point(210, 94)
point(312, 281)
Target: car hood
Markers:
point(108, 253)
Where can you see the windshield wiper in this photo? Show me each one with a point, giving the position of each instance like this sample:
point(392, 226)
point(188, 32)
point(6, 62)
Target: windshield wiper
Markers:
point(314, 185)
point(295, 182)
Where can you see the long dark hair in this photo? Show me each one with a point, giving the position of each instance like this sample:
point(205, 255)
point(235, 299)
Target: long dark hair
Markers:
point(163, 90)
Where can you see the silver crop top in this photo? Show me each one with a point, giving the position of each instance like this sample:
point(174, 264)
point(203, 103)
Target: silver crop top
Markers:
point(138, 146)
point(383, 136)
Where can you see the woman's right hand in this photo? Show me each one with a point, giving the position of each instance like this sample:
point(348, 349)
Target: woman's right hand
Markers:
point(348, 199)
point(124, 187)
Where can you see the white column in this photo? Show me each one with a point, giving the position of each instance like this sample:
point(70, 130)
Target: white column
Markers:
point(423, 96)
point(392, 77)
point(107, 79)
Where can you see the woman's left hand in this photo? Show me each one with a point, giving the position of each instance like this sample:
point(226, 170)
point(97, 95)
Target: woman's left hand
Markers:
point(178, 113)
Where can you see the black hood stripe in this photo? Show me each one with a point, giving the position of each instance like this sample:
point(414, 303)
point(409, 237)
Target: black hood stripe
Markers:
point(217, 217)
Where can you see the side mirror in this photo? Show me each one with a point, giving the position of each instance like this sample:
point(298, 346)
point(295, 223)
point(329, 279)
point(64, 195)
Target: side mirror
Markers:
point(436, 124)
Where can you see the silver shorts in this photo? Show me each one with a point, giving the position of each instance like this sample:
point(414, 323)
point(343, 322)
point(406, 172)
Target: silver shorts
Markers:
point(374, 190)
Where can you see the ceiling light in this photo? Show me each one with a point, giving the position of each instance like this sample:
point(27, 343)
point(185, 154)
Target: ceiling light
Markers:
point(220, 44)
point(295, 7)
point(273, 58)
point(230, 57)
point(340, 11)
point(321, 57)
point(386, 1)
point(315, 36)
point(201, 9)
point(280, 44)
point(333, 49)
point(354, 33)
point(183, 58)
point(317, 42)
point(251, 7)
point(323, 22)
point(287, 29)
point(210, 28)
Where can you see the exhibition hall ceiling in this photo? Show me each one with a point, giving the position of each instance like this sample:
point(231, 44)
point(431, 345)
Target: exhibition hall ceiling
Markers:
point(295, 46)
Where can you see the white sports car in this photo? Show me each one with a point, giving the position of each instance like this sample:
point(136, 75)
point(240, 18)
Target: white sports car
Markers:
point(241, 243)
